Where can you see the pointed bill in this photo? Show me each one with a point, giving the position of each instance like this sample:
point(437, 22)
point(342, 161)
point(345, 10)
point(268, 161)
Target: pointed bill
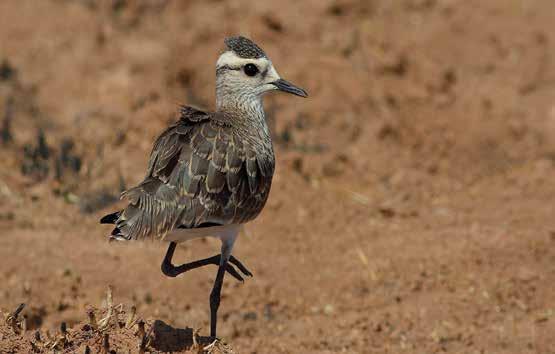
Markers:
point(286, 86)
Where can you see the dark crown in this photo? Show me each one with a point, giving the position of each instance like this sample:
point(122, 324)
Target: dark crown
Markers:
point(244, 47)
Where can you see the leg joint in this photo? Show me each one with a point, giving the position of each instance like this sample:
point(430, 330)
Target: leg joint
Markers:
point(168, 269)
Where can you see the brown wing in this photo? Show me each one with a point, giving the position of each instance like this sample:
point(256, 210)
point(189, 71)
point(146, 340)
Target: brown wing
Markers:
point(200, 171)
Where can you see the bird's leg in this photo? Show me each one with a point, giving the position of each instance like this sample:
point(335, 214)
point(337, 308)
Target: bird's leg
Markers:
point(215, 297)
point(172, 271)
point(227, 247)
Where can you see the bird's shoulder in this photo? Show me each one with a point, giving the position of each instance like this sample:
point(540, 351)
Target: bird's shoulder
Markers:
point(195, 138)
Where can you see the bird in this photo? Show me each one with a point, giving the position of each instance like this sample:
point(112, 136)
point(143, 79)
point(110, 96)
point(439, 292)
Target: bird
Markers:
point(210, 172)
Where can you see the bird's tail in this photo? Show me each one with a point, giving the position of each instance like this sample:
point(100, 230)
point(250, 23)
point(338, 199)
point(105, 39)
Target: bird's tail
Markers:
point(111, 218)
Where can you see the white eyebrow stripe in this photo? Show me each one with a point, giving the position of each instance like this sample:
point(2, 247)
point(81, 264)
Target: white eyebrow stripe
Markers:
point(233, 61)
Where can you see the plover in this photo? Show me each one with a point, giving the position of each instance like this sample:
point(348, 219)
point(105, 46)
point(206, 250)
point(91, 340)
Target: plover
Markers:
point(210, 172)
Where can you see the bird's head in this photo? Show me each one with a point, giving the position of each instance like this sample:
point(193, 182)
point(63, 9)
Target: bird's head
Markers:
point(243, 70)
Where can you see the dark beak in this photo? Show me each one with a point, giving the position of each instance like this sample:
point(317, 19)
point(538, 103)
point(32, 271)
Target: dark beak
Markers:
point(286, 86)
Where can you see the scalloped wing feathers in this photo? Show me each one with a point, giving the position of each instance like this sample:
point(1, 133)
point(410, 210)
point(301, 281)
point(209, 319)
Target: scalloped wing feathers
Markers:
point(200, 171)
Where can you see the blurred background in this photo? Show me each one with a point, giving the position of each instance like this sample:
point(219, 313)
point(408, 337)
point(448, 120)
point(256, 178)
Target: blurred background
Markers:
point(412, 208)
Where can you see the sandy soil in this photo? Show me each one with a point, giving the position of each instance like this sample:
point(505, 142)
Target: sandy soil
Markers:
point(413, 204)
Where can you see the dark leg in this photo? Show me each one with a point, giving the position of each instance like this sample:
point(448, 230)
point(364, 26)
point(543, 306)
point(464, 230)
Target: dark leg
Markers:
point(172, 271)
point(215, 298)
point(167, 265)
point(240, 265)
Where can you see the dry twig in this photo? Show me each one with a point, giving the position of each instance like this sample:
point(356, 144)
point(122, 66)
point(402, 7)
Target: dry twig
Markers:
point(12, 319)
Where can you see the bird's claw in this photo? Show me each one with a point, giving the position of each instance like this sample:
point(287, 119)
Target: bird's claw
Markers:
point(233, 272)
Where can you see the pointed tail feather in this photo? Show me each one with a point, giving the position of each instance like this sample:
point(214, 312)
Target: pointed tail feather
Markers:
point(110, 218)
point(117, 235)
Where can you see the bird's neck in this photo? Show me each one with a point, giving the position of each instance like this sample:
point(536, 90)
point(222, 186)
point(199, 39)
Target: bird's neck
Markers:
point(246, 112)
point(245, 104)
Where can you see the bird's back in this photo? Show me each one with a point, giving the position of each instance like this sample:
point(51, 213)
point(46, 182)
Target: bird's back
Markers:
point(203, 171)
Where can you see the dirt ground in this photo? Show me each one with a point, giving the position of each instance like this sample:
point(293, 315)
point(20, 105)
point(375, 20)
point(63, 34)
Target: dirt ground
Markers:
point(412, 210)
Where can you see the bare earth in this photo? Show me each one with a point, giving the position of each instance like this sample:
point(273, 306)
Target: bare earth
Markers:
point(412, 209)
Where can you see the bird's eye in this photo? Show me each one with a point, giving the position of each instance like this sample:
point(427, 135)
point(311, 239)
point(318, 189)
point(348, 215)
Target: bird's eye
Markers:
point(250, 69)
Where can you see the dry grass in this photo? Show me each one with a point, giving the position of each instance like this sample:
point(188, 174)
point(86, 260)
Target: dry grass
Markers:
point(118, 330)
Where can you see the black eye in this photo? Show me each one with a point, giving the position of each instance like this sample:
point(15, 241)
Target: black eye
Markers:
point(250, 69)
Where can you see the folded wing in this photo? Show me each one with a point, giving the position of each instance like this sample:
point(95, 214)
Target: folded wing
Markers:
point(200, 172)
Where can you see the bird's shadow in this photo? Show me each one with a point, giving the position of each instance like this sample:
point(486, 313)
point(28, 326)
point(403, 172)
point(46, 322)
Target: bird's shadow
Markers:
point(169, 339)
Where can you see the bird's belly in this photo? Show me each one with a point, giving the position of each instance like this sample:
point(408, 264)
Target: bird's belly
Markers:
point(222, 232)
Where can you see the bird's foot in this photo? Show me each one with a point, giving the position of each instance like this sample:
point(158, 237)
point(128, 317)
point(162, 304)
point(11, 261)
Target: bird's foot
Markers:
point(172, 271)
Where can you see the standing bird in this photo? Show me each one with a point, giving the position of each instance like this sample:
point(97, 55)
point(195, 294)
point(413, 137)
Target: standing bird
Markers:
point(210, 172)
